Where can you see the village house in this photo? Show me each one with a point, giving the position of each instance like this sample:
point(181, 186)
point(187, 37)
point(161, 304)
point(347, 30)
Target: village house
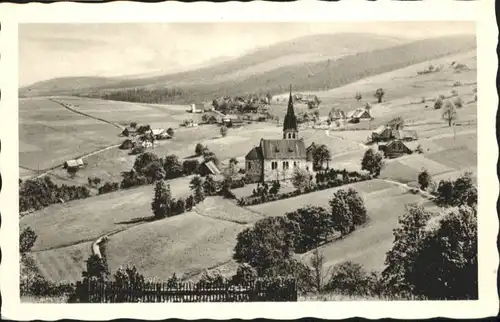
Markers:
point(277, 159)
point(397, 148)
point(359, 113)
point(129, 131)
point(74, 164)
point(208, 168)
point(386, 133)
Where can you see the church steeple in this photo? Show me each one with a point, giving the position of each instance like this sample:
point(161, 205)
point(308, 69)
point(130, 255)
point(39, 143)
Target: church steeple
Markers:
point(290, 129)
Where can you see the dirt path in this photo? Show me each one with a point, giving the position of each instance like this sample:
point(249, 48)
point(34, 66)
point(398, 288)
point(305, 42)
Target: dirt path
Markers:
point(406, 186)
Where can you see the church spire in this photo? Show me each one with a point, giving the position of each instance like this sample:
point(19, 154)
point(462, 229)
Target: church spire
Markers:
point(290, 129)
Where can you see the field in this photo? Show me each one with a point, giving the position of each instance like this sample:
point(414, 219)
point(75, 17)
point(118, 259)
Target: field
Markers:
point(185, 245)
point(49, 134)
point(86, 220)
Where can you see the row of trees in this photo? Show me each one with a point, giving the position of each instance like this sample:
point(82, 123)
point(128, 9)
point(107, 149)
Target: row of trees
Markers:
point(141, 95)
point(379, 94)
point(41, 192)
point(274, 240)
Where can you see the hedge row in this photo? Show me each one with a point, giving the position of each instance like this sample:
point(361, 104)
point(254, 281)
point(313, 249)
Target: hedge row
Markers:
point(326, 182)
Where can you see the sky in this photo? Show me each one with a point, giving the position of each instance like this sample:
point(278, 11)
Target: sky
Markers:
point(60, 50)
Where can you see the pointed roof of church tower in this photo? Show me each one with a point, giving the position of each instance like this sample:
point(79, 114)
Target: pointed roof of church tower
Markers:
point(290, 122)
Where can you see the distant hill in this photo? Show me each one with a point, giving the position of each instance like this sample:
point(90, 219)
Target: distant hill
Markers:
point(309, 63)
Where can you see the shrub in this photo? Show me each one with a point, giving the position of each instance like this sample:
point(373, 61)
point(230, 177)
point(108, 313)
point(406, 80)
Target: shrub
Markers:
point(458, 102)
point(438, 103)
point(424, 179)
point(109, 187)
point(137, 150)
point(245, 274)
point(302, 179)
point(132, 179)
point(170, 131)
point(352, 279)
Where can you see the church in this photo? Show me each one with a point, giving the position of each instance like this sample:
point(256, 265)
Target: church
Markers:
point(277, 159)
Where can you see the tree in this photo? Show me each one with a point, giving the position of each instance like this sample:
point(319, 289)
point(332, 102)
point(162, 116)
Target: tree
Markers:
point(321, 154)
point(189, 203)
point(143, 160)
point(445, 267)
point(268, 243)
point(379, 94)
point(464, 191)
point(204, 118)
point(458, 102)
point(424, 179)
point(172, 166)
point(27, 239)
point(316, 114)
point(233, 160)
point(199, 149)
point(341, 216)
point(438, 103)
point(223, 130)
point(357, 207)
point(209, 186)
point(372, 162)
point(97, 268)
point(154, 172)
point(449, 113)
point(196, 185)
point(317, 262)
point(301, 179)
point(358, 96)
point(128, 277)
point(313, 227)
point(170, 131)
point(162, 200)
point(408, 239)
point(351, 279)
point(133, 125)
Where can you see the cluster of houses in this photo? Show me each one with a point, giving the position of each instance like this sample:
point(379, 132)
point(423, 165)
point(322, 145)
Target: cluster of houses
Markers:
point(394, 141)
point(353, 115)
point(144, 139)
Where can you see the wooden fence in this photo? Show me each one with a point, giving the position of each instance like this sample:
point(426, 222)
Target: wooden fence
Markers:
point(150, 292)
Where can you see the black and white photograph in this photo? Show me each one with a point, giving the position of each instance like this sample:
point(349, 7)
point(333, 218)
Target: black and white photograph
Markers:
point(209, 162)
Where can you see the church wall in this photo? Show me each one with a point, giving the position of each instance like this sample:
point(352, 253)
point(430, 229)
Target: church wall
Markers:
point(253, 169)
point(283, 174)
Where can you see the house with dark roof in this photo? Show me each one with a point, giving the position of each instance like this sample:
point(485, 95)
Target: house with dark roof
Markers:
point(397, 148)
point(277, 159)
